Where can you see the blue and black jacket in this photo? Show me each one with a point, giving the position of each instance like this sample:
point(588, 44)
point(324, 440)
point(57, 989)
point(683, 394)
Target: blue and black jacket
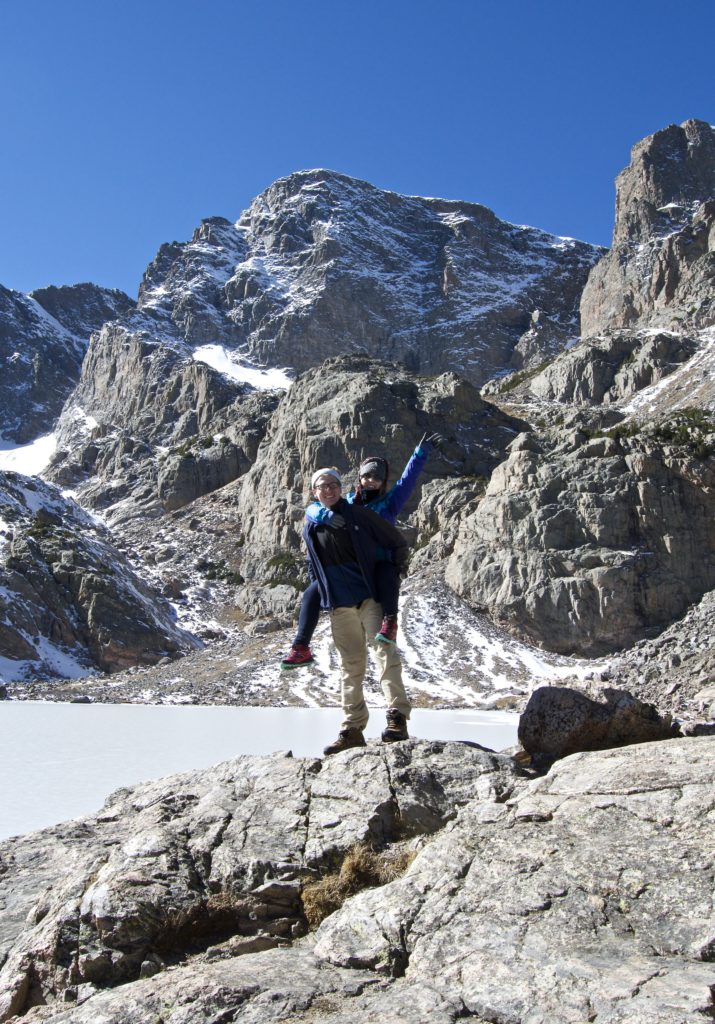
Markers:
point(349, 581)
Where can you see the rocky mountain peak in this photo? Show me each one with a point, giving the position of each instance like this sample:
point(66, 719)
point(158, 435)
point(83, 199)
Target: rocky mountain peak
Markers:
point(83, 308)
point(670, 172)
point(321, 264)
point(661, 269)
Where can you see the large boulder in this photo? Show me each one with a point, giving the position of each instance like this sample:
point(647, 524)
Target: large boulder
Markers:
point(558, 721)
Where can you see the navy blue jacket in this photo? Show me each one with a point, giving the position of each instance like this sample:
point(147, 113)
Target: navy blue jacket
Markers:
point(368, 531)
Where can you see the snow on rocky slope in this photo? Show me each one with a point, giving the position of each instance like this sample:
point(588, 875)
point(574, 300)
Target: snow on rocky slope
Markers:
point(43, 339)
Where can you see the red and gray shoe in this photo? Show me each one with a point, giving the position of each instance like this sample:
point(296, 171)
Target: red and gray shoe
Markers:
point(388, 630)
point(297, 656)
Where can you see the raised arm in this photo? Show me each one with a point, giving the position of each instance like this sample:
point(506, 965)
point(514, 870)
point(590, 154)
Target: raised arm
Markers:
point(397, 497)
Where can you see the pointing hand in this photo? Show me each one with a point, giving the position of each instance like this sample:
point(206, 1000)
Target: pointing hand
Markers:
point(432, 439)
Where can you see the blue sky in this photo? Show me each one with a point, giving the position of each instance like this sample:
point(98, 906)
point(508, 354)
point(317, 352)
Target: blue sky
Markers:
point(125, 123)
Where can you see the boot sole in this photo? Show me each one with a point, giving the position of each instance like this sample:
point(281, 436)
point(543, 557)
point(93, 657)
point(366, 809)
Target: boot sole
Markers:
point(385, 640)
point(352, 746)
point(302, 664)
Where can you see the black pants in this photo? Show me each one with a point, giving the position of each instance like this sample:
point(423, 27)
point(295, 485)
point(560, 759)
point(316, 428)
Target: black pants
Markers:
point(387, 585)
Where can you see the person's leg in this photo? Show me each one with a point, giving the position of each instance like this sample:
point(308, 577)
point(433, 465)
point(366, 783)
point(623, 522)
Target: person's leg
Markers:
point(349, 638)
point(308, 615)
point(387, 586)
point(300, 653)
point(388, 659)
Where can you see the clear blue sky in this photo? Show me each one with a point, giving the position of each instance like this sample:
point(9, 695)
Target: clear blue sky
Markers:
point(125, 122)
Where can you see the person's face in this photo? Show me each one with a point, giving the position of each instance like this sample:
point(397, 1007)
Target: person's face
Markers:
point(327, 490)
point(370, 482)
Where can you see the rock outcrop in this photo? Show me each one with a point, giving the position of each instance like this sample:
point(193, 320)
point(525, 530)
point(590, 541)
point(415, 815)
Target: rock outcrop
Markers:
point(350, 408)
point(582, 895)
point(586, 897)
point(611, 368)
point(69, 600)
point(216, 858)
point(558, 721)
point(43, 339)
point(661, 269)
point(588, 544)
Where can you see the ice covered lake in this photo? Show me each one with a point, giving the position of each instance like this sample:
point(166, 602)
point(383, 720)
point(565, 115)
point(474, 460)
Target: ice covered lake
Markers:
point(61, 761)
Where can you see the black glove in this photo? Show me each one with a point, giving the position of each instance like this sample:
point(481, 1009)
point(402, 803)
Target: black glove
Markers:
point(435, 440)
point(336, 521)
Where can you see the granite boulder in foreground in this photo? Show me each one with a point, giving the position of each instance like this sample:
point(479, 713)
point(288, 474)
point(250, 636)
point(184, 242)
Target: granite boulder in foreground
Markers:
point(585, 895)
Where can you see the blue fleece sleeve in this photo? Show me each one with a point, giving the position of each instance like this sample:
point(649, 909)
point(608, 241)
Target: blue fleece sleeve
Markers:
point(396, 498)
point(318, 513)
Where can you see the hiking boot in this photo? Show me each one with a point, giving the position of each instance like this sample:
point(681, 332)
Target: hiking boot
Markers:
point(396, 727)
point(298, 655)
point(388, 630)
point(350, 737)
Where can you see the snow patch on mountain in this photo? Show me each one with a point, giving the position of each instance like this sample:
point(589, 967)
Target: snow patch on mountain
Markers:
point(238, 369)
point(28, 459)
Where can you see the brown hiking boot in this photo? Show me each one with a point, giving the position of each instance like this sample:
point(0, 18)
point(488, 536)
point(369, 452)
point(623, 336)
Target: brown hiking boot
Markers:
point(350, 737)
point(396, 727)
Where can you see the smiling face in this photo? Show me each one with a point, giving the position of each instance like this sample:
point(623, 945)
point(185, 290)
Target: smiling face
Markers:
point(371, 482)
point(327, 490)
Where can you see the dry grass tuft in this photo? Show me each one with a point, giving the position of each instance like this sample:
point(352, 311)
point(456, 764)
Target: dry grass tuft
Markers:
point(362, 868)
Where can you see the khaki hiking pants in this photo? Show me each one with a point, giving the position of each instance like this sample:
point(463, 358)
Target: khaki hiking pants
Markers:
point(353, 629)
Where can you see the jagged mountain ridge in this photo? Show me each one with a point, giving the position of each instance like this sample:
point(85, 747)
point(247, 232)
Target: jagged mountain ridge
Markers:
point(43, 340)
point(322, 264)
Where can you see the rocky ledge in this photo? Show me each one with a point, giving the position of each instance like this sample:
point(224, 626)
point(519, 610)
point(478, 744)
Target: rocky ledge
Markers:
point(581, 895)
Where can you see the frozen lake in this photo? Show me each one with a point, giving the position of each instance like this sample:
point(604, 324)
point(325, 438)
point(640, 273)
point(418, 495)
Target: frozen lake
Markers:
point(61, 761)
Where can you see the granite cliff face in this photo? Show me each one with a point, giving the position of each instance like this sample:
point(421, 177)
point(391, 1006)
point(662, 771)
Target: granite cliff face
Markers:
point(597, 529)
point(43, 339)
point(660, 271)
point(588, 545)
